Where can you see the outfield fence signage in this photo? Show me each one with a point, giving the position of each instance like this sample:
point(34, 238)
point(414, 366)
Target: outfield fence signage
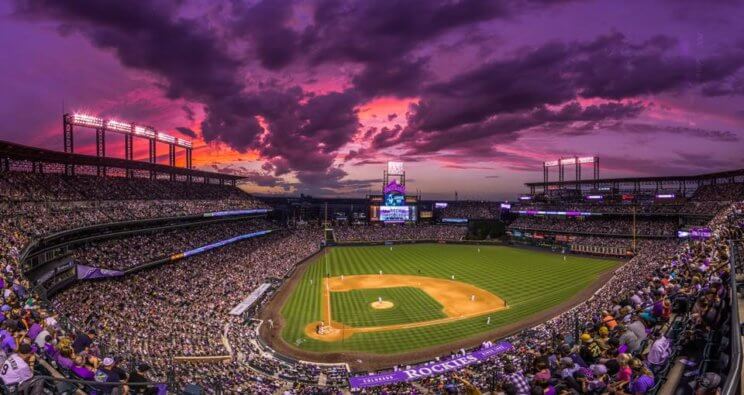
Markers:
point(419, 372)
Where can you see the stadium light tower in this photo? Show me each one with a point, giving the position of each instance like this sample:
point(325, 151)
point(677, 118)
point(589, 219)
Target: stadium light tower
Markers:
point(130, 130)
point(575, 161)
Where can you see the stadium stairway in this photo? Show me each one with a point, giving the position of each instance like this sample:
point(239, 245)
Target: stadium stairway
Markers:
point(225, 341)
point(330, 235)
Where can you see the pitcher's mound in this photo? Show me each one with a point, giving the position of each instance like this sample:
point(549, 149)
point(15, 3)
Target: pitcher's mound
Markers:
point(382, 305)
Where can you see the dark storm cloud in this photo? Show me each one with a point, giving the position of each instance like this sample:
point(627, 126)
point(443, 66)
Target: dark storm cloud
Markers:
point(382, 35)
point(506, 128)
point(730, 87)
point(613, 68)
point(504, 97)
point(303, 133)
point(388, 46)
point(145, 36)
point(369, 31)
point(307, 136)
point(400, 78)
point(725, 136)
point(186, 131)
point(276, 44)
point(189, 112)
point(498, 87)
point(608, 68)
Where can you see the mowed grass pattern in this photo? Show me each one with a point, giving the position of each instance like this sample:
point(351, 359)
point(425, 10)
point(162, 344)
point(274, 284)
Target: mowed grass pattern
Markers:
point(530, 281)
point(410, 305)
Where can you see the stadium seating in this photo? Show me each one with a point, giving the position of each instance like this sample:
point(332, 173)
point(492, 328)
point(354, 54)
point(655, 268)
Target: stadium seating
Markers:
point(664, 310)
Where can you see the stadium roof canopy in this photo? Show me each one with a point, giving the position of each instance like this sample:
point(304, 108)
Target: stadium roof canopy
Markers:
point(17, 152)
point(682, 183)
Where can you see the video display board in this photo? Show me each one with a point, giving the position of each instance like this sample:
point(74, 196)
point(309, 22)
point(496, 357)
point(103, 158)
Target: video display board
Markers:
point(393, 213)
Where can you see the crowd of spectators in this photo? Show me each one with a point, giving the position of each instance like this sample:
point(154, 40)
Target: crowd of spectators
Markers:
point(611, 242)
point(470, 210)
point(719, 193)
point(118, 254)
point(391, 232)
point(38, 219)
point(24, 186)
point(180, 309)
point(606, 226)
point(35, 205)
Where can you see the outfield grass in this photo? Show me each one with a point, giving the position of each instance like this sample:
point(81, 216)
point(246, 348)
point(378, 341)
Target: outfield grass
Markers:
point(410, 305)
point(530, 281)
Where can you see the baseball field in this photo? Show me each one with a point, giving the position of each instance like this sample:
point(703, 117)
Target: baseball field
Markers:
point(384, 300)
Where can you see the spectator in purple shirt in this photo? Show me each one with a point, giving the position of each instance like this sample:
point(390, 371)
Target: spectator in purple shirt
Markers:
point(83, 370)
point(49, 348)
point(8, 343)
point(34, 330)
point(642, 379)
point(64, 358)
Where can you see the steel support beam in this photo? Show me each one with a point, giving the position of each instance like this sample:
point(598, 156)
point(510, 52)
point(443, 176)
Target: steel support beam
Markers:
point(129, 151)
point(152, 156)
point(101, 149)
point(153, 153)
point(171, 155)
point(189, 165)
point(69, 142)
point(128, 147)
point(172, 159)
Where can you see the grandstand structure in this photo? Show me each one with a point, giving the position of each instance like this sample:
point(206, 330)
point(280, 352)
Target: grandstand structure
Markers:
point(683, 185)
point(129, 130)
point(17, 157)
point(575, 161)
point(173, 267)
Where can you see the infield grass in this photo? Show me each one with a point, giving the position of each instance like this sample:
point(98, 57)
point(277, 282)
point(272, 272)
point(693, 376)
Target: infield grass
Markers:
point(530, 281)
point(410, 305)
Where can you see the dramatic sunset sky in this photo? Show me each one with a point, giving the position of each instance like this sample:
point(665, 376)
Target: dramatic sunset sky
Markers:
point(315, 96)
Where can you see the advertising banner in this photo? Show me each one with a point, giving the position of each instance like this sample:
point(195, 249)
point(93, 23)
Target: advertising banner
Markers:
point(218, 244)
point(236, 212)
point(431, 369)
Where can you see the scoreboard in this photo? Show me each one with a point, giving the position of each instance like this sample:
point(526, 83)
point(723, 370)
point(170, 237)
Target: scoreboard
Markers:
point(393, 214)
point(393, 206)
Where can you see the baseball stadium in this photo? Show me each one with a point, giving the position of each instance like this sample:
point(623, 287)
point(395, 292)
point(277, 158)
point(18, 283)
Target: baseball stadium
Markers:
point(379, 300)
point(283, 197)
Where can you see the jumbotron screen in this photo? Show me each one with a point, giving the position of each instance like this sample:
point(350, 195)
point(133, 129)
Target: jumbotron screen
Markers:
point(393, 213)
